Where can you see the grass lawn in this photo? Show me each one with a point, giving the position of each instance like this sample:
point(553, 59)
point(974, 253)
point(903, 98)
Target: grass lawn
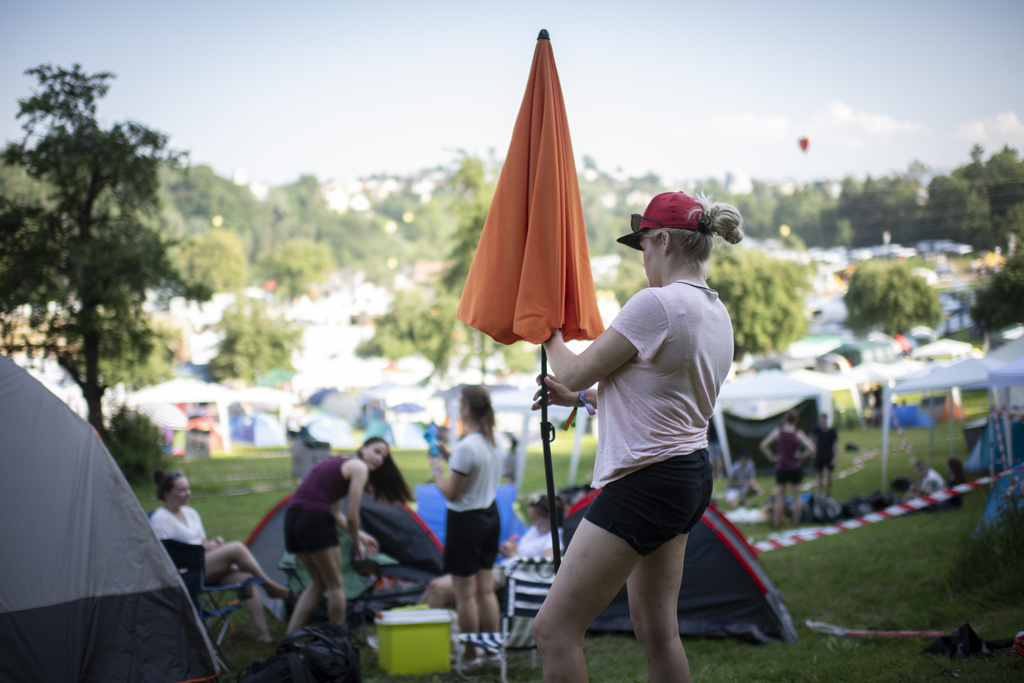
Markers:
point(900, 574)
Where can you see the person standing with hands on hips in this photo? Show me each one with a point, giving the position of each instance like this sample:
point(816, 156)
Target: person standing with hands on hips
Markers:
point(473, 525)
point(660, 366)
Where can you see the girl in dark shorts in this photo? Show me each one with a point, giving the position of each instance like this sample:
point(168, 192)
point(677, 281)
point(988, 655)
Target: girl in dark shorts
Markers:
point(314, 516)
point(473, 527)
point(660, 366)
point(787, 446)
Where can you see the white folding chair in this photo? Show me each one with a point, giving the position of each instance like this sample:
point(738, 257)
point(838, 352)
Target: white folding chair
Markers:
point(527, 582)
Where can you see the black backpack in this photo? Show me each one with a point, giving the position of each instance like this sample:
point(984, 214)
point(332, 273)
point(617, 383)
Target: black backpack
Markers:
point(323, 653)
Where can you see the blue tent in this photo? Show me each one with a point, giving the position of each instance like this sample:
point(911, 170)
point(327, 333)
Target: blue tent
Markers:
point(980, 454)
point(910, 416)
point(332, 430)
point(258, 429)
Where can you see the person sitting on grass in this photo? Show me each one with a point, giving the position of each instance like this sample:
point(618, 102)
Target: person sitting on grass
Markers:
point(741, 482)
point(928, 481)
point(225, 562)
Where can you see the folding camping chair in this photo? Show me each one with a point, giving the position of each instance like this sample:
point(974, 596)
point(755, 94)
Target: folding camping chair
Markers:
point(360, 583)
point(213, 603)
point(527, 582)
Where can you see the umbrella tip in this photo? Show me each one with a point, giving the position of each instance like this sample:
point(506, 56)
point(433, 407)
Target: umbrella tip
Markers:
point(543, 35)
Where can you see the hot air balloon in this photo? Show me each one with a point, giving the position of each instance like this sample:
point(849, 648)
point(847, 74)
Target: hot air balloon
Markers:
point(804, 144)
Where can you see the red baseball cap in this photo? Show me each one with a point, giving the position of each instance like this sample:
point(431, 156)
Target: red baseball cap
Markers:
point(666, 210)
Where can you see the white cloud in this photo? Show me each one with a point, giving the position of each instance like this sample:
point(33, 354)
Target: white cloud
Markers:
point(854, 129)
point(1004, 128)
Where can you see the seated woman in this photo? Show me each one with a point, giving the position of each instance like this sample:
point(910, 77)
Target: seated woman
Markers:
point(225, 562)
point(535, 542)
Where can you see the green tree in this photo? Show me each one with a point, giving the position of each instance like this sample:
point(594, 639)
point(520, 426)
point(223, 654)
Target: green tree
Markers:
point(418, 323)
point(254, 343)
point(887, 295)
point(76, 265)
point(213, 262)
point(764, 297)
point(295, 266)
point(1000, 302)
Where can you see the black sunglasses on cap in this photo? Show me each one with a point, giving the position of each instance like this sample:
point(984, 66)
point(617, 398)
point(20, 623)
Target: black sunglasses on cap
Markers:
point(636, 219)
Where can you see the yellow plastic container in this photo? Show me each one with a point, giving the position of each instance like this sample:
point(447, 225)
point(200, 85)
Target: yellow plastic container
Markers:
point(414, 641)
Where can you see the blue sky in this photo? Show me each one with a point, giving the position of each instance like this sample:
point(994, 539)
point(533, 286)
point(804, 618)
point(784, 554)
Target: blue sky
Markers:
point(686, 90)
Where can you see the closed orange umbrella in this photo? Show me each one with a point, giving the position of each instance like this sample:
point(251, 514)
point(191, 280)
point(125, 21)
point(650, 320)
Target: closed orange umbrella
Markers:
point(531, 272)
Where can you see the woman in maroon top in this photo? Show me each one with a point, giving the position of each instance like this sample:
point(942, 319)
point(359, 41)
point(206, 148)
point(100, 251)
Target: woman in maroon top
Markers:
point(788, 466)
point(314, 516)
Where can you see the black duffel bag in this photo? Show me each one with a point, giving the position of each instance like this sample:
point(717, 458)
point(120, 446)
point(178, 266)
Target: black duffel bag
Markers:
point(323, 653)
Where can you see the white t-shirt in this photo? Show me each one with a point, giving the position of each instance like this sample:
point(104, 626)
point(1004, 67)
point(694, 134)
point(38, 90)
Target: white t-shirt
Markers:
point(657, 405)
point(932, 483)
point(166, 525)
point(481, 463)
point(533, 543)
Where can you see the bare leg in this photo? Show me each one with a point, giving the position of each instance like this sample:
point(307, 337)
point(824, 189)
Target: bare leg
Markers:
point(490, 612)
point(596, 565)
point(439, 593)
point(467, 608)
point(254, 606)
point(797, 509)
point(653, 608)
point(780, 505)
point(828, 490)
point(235, 555)
point(324, 569)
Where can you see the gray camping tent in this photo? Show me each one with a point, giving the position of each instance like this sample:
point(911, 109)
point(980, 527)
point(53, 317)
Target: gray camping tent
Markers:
point(88, 592)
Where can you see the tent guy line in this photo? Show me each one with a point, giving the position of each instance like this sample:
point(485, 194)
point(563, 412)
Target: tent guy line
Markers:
point(888, 513)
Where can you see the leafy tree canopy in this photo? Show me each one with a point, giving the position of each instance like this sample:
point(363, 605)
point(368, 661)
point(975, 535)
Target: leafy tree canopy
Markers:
point(886, 294)
point(296, 266)
point(213, 262)
point(1000, 302)
point(76, 264)
point(764, 297)
point(254, 343)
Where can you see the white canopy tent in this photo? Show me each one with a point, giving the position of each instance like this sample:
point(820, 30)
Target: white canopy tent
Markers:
point(281, 402)
point(770, 388)
point(185, 390)
point(970, 372)
point(943, 348)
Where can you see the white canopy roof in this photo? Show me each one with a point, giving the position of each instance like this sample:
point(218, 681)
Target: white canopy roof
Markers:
point(187, 390)
point(968, 372)
point(1009, 375)
point(943, 348)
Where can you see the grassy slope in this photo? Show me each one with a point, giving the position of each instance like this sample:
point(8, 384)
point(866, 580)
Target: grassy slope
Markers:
point(891, 575)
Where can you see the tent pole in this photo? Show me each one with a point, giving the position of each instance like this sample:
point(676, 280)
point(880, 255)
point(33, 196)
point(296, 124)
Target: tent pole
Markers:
point(547, 435)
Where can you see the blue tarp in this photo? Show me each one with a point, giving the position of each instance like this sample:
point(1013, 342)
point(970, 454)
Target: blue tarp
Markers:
point(259, 429)
point(910, 416)
point(980, 454)
point(1005, 491)
point(431, 507)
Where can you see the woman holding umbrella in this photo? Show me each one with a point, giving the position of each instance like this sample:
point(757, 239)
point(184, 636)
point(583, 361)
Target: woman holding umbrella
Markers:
point(660, 366)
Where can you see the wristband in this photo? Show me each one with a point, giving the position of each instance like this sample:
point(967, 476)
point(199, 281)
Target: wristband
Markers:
point(581, 402)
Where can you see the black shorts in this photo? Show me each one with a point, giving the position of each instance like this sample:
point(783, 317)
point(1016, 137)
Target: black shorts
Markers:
point(471, 540)
point(822, 464)
point(794, 476)
point(307, 531)
point(653, 505)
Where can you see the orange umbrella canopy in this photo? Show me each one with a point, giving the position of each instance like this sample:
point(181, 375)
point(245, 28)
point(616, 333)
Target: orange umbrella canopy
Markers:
point(531, 272)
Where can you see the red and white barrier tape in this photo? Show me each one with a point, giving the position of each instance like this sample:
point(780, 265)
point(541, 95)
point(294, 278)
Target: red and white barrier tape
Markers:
point(858, 465)
point(906, 443)
point(888, 513)
point(1014, 413)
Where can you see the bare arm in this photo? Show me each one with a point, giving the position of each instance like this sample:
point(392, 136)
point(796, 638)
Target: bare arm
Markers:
point(767, 445)
point(452, 487)
point(810, 449)
point(356, 472)
point(578, 372)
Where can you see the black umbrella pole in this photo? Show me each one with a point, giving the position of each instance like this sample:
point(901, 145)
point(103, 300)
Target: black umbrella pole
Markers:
point(547, 433)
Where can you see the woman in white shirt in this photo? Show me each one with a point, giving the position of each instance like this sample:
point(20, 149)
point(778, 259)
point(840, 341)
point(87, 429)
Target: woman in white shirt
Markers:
point(473, 526)
point(225, 562)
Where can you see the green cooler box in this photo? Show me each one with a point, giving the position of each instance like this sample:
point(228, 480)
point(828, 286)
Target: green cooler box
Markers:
point(414, 641)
